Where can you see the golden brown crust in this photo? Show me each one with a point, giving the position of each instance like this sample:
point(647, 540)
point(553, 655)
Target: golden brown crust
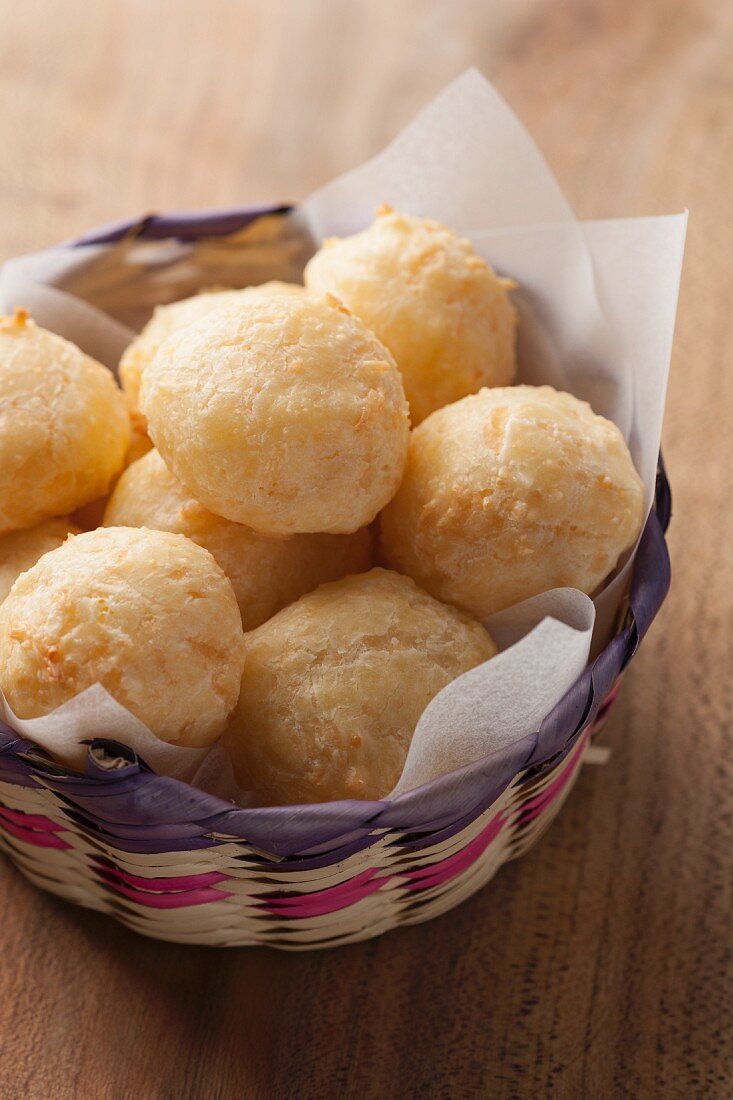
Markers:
point(430, 298)
point(147, 614)
point(511, 492)
point(16, 321)
point(284, 413)
point(63, 425)
point(171, 318)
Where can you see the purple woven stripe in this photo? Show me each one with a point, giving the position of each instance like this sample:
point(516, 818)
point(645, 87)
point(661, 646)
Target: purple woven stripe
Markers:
point(183, 226)
point(534, 805)
point(174, 817)
point(12, 768)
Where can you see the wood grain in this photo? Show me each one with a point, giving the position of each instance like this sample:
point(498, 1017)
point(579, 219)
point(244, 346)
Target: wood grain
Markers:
point(601, 965)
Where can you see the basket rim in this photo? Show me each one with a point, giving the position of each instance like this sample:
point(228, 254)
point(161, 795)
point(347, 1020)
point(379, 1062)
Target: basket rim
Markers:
point(151, 801)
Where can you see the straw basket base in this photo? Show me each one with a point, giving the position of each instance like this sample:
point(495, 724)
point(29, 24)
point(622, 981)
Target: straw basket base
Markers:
point(229, 895)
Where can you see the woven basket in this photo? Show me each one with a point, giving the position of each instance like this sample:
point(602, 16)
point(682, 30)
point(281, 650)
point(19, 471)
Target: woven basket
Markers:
point(177, 864)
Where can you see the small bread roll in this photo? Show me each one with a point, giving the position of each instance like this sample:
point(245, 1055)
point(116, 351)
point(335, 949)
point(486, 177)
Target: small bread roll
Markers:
point(334, 685)
point(147, 614)
point(509, 493)
point(284, 413)
point(267, 572)
point(170, 318)
point(64, 428)
point(19, 550)
point(431, 299)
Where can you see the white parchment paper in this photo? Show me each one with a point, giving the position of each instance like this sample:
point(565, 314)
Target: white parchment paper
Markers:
point(597, 303)
point(93, 713)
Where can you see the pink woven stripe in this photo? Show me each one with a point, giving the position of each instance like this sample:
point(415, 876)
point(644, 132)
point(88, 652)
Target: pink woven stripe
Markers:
point(32, 836)
point(446, 869)
point(304, 907)
point(368, 882)
point(31, 821)
point(329, 900)
point(535, 805)
point(166, 885)
point(170, 901)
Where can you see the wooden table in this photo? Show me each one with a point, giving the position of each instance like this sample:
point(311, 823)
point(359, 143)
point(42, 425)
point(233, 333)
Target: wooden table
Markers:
point(601, 965)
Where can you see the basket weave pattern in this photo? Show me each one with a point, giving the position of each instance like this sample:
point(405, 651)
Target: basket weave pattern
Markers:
point(229, 894)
